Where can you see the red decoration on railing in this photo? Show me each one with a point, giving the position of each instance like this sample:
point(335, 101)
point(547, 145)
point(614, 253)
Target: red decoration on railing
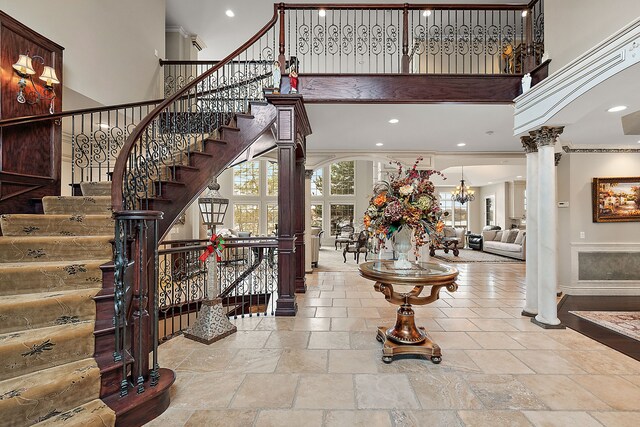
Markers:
point(216, 244)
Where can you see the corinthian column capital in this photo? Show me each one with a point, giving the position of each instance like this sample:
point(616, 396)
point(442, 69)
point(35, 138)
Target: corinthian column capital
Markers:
point(546, 135)
point(308, 173)
point(529, 144)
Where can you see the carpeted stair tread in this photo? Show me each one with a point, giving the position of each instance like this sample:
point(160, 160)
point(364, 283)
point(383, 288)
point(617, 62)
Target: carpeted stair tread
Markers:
point(101, 188)
point(57, 225)
point(54, 248)
point(95, 414)
point(31, 311)
point(28, 399)
point(24, 352)
point(74, 205)
point(53, 276)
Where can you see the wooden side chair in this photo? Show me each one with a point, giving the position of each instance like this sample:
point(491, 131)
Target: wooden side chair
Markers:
point(357, 247)
point(344, 235)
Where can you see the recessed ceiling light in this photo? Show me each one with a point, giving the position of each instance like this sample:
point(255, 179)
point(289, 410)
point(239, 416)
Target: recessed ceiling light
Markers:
point(462, 144)
point(524, 13)
point(322, 13)
point(379, 144)
point(617, 108)
point(230, 13)
point(426, 13)
point(394, 121)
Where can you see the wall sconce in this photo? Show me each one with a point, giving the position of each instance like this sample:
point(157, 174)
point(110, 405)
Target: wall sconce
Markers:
point(24, 68)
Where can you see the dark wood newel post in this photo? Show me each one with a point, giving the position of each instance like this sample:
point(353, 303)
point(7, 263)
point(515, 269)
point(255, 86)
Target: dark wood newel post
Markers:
point(405, 39)
point(529, 60)
point(281, 58)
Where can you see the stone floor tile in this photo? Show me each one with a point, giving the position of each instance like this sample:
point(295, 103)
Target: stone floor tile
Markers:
point(400, 418)
point(273, 323)
point(498, 362)
point(494, 325)
point(282, 418)
point(325, 391)
point(459, 312)
point(305, 312)
point(329, 340)
point(491, 313)
point(494, 418)
point(195, 391)
point(617, 419)
point(357, 419)
point(243, 339)
point(537, 341)
point(547, 362)
point(364, 340)
point(384, 391)
point(206, 359)
point(503, 392)
point(309, 324)
point(561, 419)
point(368, 312)
point(613, 390)
point(349, 324)
point(172, 417)
point(354, 361)
point(288, 339)
point(348, 302)
point(331, 312)
point(602, 362)
point(255, 361)
point(559, 392)
point(495, 340)
point(443, 390)
point(317, 302)
point(332, 294)
point(246, 323)
point(457, 325)
point(374, 302)
point(303, 361)
point(453, 341)
point(252, 393)
point(221, 418)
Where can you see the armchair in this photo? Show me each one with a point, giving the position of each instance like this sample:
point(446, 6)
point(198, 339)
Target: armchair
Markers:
point(357, 247)
point(344, 235)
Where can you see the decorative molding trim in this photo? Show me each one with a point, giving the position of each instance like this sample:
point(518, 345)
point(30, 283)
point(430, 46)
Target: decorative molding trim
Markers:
point(568, 149)
point(557, 158)
point(529, 144)
point(547, 98)
point(308, 173)
point(546, 135)
point(198, 43)
point(177, 29)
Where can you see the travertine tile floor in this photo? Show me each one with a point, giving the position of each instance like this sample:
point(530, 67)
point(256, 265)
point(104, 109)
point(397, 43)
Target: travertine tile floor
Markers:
point(323, 368)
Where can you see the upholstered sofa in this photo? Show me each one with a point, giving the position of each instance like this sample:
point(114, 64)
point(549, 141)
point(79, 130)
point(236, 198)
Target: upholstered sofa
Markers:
point(475, 240)
point(510, 243)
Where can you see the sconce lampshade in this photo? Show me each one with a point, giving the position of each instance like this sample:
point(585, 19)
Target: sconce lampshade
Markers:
point(24, 65)
point(213, 207)
point(49, 76)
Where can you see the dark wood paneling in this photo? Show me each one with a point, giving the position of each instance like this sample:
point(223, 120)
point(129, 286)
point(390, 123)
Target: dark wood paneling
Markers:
point(30, 154)
point(619, 342)
point(394, 88)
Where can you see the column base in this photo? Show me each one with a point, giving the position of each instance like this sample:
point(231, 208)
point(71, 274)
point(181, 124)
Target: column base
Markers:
point(559, 294)
point(301, 285)
point(286, 306)
point(527, 313)
point(544, 325)
point(212, 324)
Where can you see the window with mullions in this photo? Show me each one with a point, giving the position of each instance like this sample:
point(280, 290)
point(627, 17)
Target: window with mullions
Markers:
point(246, 179)
point(341, 214)
point(343, 178)
point(317, 183)
point(316, 216)
point(272, 218)
point(246, 217)
point(458, 213)
point(272, 179)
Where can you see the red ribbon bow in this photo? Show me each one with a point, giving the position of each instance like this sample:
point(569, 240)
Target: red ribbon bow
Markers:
point(216, 244)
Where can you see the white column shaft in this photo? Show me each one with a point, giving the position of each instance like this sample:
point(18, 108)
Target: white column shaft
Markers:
point(531, 301)
point(547, 237)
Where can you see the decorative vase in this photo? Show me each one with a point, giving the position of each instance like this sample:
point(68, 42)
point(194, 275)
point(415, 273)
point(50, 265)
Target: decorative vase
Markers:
point(402, 246)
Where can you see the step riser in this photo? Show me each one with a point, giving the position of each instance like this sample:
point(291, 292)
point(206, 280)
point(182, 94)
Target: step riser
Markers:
point(57, 225)
point(94, 413)
point(43, 249)
point(58, 309)
point(102, 188)
point(27, 352)
point(71, 276)
point(77, 205)
point(59, 389)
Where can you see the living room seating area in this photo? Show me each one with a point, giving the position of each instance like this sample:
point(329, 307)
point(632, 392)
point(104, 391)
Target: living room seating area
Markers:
point(510, 243)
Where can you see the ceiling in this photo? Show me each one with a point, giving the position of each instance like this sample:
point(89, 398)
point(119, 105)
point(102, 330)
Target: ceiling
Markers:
point(429, 127)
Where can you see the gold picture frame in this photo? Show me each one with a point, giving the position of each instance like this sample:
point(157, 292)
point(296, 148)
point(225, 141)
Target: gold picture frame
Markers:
point(616, 199)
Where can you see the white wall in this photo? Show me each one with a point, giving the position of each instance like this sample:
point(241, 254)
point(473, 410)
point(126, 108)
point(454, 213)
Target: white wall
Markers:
point(500, 193)
point(109, 45)
point(571, 27)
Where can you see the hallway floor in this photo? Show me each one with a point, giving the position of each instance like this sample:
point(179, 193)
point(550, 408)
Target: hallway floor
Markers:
point(323, 368)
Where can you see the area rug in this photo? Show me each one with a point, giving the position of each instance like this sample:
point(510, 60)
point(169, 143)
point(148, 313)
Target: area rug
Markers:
point(469, 255)
point(623, 322)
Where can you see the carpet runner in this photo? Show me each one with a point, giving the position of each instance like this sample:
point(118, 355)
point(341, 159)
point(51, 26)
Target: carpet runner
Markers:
point(623, 322)
point(49, 274)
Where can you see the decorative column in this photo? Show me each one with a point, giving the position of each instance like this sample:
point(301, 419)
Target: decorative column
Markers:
point(547, 316)
point(299, 220)
point(531, 300)
point(308, 173)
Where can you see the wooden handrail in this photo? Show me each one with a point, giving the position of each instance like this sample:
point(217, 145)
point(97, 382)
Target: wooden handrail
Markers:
point(123, 156)
point(400, 6)
point(55, 116)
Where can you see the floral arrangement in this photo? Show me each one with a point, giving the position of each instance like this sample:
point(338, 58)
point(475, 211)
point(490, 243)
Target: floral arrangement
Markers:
point(408, 199)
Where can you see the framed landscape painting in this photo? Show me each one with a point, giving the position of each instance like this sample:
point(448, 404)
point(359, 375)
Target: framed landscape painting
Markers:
point(616, 199)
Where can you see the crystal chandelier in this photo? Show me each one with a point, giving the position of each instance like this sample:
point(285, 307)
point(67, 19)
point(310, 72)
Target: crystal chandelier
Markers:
point(463, 193)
